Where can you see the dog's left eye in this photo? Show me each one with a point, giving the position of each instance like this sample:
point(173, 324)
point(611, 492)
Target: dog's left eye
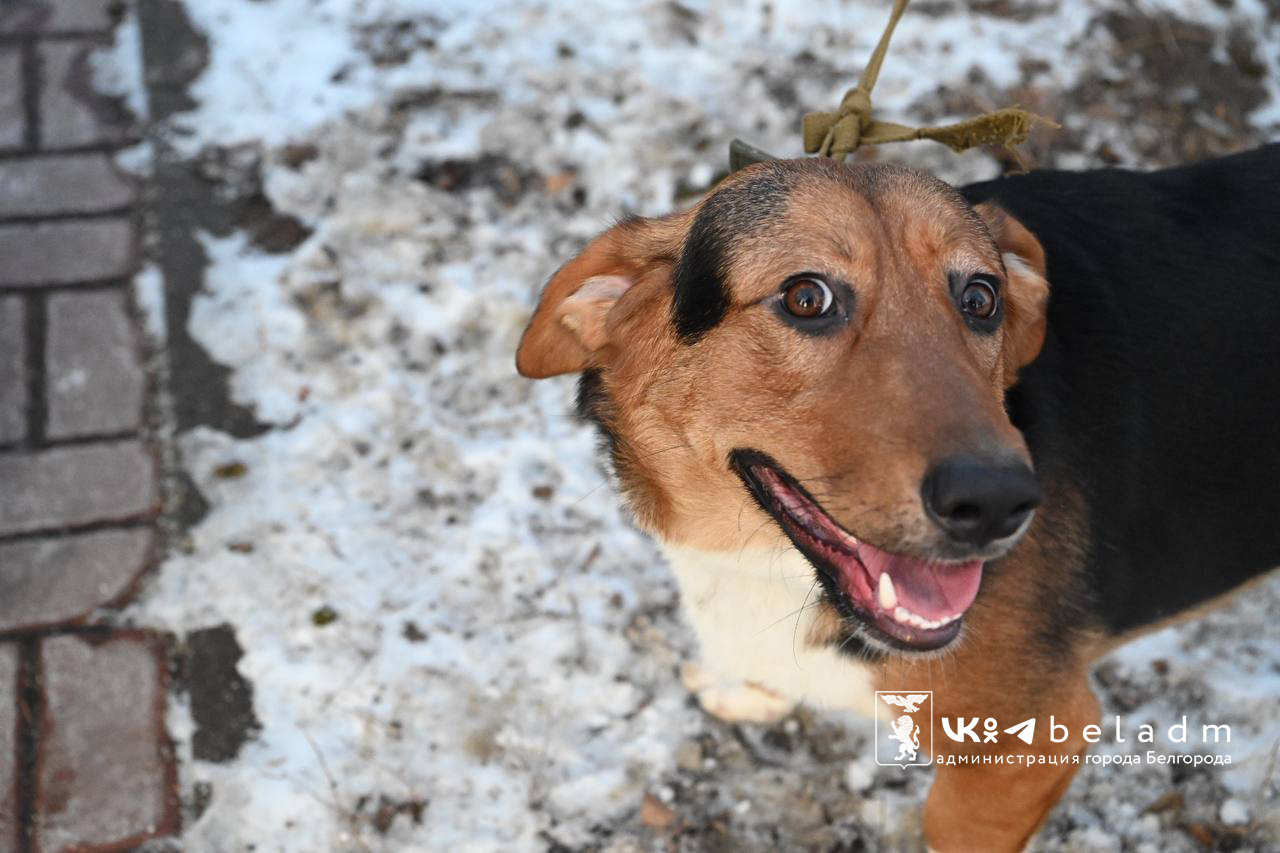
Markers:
point(807, 298)
point(978, 299)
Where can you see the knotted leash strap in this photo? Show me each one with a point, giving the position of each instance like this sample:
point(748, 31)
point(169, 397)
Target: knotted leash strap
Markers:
point(840, 133)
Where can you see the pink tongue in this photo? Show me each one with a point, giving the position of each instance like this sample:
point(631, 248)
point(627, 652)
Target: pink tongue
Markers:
point(927, 589)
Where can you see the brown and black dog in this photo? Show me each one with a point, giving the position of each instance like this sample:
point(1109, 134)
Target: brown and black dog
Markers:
point(1003, 428)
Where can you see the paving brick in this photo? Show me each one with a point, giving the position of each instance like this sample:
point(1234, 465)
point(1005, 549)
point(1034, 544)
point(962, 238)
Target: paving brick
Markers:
point(45, 582)
point(72, 114)
point(78, 183)
point(93, 368)
point(13, 372)
point(13, 115)
point(105, 775)
point(76, 485)
point(8, 748)
point(65, 252)
point(53, 16)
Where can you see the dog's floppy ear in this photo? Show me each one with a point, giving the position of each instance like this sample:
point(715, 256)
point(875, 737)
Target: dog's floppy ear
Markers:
point(1027, 294)
point(569, 327)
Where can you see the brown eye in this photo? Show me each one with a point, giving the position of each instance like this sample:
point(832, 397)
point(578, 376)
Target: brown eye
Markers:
point(979, 299)
point(807, 298)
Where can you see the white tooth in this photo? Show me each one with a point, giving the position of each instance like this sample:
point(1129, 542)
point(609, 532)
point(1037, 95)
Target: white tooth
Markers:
point(901, 614)
point(888, 597)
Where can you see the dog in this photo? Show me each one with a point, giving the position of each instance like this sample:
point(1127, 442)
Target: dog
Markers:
point(894, 435)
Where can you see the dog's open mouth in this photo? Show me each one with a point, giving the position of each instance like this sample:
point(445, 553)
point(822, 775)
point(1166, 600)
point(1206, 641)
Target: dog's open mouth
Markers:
point(905, 602)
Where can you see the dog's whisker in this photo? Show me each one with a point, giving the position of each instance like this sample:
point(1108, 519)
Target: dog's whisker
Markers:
point(795, 630)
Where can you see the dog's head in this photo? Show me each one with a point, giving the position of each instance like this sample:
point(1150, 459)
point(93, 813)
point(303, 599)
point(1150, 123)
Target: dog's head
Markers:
point(824, 350)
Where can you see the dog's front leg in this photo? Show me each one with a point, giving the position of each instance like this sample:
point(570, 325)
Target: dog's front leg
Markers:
point(998, 805)
point(1022, 657)
point(734, 701)
point(992, 795)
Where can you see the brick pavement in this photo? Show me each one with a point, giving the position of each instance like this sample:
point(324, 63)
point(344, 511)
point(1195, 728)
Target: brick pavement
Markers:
point(85, 763)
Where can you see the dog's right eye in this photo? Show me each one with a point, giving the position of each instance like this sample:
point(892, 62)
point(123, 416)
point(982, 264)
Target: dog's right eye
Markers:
point(807, 298)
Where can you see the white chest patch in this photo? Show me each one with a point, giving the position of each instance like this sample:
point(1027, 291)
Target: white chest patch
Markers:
point(751, 612)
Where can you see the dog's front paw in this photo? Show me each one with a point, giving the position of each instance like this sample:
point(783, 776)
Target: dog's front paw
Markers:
point(741, 702)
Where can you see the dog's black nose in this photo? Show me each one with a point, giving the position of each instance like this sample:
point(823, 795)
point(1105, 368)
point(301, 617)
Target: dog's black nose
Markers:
point(978, 501)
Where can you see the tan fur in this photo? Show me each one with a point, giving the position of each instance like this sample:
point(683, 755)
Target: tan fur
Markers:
point(909, 386)
point(856, 417)
point(1026, 304)
point(630, 251)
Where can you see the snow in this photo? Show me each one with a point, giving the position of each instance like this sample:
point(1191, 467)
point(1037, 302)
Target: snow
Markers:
point(259, 87)
point(148, 295)
point(116, 70)
point(1234, 812)
point(506, 645)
